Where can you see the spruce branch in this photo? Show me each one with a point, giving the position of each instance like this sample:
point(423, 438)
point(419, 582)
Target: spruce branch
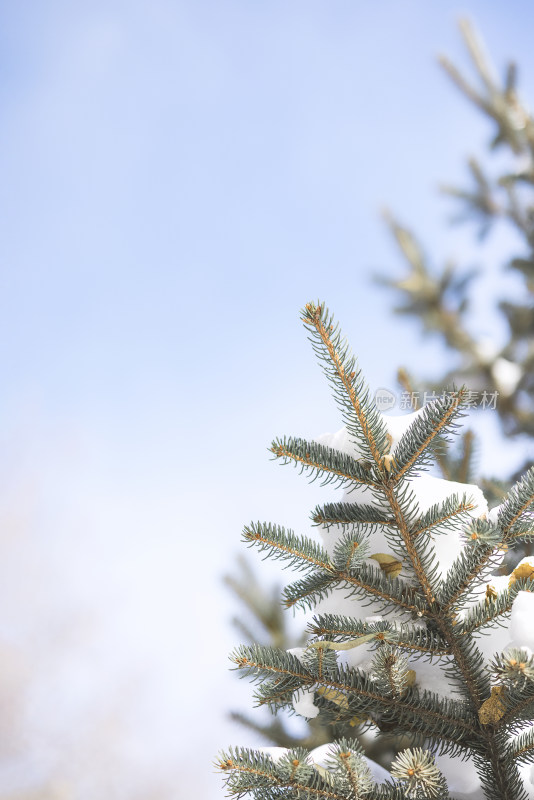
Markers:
point(349, 770)
point(345, 776)
point(522, 749)
point(493, 609)
point(350, 551)
point(465, 665)
point(391, 671)
point(279, 673)
point(498, 773)
point(522, 531)
point(362, 418)
point(446, 516)
point(426, 432)
point(514, 668)
point(299, 552)
point(323, 462)
point(412, 712)
point(418, 773)
point(367, 582)
point(467, 573)
point(518, 504)
point(428, 603)
point(350, 514)
point(249, 771)
point(415, 640)
point(306, 592)
point(401, 506)
point(517, 701)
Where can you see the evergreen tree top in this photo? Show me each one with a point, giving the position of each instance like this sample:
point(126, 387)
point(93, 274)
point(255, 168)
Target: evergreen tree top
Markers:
point(403, 588)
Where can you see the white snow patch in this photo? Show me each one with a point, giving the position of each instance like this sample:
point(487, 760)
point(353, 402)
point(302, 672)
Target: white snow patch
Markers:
point(462, 777)
point(303, 703)
point(506, 375)
point(521, 627)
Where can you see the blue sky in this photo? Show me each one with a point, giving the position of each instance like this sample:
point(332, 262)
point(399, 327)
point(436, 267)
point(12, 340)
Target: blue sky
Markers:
point(178, 179)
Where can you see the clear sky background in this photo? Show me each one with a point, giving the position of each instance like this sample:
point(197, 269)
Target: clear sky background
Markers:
point(177, 180)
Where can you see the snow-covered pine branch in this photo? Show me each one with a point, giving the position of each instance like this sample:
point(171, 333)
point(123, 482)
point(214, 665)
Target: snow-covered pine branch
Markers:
point(404, 592)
